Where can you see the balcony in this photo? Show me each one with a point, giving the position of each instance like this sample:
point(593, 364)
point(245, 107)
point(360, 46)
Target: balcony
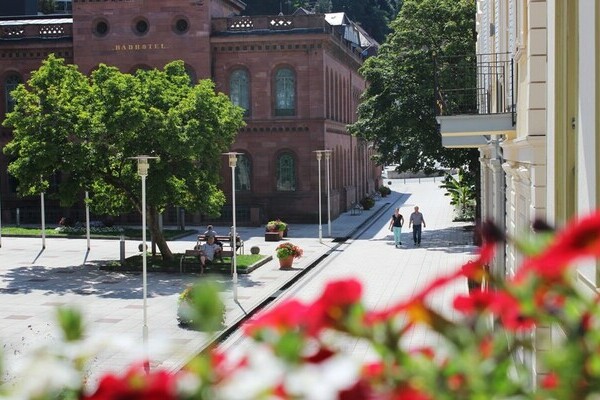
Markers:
point(474, 98)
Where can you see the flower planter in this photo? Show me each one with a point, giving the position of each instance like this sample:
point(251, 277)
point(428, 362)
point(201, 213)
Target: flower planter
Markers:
point(272, 237)
point(286, 262)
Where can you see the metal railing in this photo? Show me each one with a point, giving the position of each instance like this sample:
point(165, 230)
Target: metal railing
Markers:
point(477, 84)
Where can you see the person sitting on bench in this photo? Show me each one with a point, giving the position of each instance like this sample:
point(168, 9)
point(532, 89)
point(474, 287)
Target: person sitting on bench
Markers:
point(238, 239)
point(209, 251)
point(211, 232)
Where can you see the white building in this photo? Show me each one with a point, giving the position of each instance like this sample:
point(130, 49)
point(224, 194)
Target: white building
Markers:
point(537, 124)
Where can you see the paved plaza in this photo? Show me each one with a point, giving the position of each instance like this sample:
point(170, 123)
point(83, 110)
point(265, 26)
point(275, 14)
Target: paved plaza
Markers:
point(34, 281)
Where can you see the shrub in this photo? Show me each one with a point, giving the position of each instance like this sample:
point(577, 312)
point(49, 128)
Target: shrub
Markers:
point(276, 226)
point(367, 203)
point(384, 190)
point(199, 306)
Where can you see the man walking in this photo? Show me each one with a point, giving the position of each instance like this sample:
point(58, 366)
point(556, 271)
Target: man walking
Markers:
point(416, 220)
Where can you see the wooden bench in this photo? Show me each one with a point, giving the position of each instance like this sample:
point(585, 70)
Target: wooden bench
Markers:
point(192, 258)
point(225, 241)
point(356, 209)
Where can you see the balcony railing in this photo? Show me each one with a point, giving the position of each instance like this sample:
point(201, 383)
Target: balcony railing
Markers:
point(478, 84)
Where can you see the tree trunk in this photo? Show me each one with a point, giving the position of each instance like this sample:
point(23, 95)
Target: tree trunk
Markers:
point(157, 234)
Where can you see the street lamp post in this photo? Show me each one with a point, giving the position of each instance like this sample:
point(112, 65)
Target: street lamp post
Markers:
point(319, 155)
point(142, 170)
point(0, 216)
point(327, 160)
point(43, 214)
point(232, 156)
point(87, 219)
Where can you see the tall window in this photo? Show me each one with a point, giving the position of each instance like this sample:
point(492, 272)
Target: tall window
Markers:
point(286, 173)
point(239, 89)
point(285, 92)
point(243, 173)
point(10, 84)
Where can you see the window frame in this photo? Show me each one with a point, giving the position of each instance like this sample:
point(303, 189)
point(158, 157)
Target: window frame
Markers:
point(280, 183)
point(282, 95)
point(247, 97)
point(9, 101)
point(238, 172)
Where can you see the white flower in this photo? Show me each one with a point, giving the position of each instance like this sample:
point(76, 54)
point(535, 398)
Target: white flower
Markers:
point(262, 372)
point(325, 380)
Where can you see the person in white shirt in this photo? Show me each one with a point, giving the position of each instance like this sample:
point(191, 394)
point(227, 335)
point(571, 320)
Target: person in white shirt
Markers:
point(416, 220)
point(209, 251)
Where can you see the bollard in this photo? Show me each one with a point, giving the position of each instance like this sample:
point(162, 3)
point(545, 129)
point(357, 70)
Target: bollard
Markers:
point(122, 249)
point(18, 217)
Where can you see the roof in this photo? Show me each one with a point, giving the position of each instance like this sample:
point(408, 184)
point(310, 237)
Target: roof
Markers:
point(336, 19)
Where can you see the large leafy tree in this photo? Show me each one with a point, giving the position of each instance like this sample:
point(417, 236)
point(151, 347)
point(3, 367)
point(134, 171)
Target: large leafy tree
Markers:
point(87, 128)
point(397, 111)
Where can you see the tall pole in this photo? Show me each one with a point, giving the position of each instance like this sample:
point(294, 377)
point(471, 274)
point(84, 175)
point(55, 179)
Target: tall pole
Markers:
point(144, 273)
point(43, 220)
point(232, 164)
point(319, 154)
point(87, 219)
point(327, 160)
point(143, 173)
point(0, 216)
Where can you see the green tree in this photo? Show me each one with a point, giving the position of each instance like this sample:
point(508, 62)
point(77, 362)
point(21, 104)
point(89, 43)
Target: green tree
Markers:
point(46, 6)
point(323, 6)
point(397, 110)
point(86, 129)
point(461, 190)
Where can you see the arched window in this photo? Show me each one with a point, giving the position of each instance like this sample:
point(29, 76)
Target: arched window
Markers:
point(286, 173)
point(10, 84)
point(243, 173)
point(239, 89)
point(285, 92)
point(189, 70)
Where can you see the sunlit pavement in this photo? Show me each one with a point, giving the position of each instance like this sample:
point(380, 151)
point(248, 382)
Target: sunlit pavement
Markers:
point(35, 281)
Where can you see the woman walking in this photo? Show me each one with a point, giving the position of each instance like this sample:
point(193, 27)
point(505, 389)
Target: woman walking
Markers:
point(396, 226)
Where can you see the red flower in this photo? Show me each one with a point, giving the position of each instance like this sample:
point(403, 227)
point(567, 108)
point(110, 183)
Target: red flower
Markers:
point(550, 381)
point(323, 313)
point(582, 239)
point(288, 315)
point(455, 381)
point(136, 384)
point(509, 311)
point(474, 302)
point(332, 306)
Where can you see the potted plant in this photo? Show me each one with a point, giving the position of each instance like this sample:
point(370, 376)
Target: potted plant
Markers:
point(286, 252)
point(277, 226)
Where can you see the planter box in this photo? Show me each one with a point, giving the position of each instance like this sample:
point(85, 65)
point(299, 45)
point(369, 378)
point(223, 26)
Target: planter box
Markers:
point(272, 236)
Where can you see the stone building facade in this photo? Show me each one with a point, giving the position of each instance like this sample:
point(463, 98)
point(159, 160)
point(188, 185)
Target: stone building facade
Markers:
point(296, 76)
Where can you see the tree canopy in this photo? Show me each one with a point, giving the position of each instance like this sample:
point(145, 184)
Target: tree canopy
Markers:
point(374, 16)
point(85, 129)
point(397, 109)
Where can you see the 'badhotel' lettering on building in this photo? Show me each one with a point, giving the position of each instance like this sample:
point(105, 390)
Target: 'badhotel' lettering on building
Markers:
point(137, 47)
